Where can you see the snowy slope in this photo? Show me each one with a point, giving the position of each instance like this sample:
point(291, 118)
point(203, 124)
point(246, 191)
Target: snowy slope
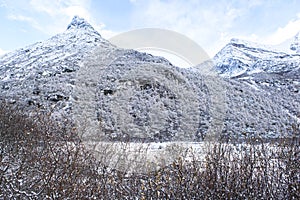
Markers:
point(46, 70)
point(242, 57)
point(295, 46)
point(263, 91)
point(78, 74)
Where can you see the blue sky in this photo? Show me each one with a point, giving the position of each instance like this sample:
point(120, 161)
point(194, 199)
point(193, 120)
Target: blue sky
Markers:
point(210, 23)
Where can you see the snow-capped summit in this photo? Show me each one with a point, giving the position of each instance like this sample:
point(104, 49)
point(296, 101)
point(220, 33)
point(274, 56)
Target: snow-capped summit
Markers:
point(48, 68)
point(81, 28)
point(78, 22)
point(243, 57)
point(295, 46)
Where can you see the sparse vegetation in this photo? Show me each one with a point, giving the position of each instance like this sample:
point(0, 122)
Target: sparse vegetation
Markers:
point(44, 159)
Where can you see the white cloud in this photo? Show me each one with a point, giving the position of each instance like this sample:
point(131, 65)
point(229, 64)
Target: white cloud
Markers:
point(54, 15)
point(30, 20)
point(3, 3)
point(210, 23)
point(284, 33)
point(70, 11)
point(105, 33)
point(20, 18)
point(2, 52)
point(67, 8)
point(60, 13)
point(63, 11)
point(201, 21)
point(213, 23)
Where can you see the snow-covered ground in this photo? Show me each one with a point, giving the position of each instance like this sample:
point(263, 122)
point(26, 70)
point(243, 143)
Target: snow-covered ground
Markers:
point(135, 157)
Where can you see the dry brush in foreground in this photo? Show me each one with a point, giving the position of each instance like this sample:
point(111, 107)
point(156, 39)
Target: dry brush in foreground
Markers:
point(43, 159)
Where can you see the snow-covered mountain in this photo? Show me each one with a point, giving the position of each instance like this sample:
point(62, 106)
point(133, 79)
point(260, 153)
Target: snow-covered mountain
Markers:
point(79, 75)
point(260, 77)
point(240, 57)
point(45, 70)
point(121, 93)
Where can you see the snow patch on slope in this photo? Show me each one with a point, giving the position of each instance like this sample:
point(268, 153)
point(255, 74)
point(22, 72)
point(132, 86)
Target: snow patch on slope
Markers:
point(295, 46)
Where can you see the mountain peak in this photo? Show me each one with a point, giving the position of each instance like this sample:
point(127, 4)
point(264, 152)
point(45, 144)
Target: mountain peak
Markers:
point(79, 23)
point(241, 57)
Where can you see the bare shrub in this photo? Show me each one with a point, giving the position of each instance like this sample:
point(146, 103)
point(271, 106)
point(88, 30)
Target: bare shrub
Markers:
point(39, 158)
point(44, 159)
